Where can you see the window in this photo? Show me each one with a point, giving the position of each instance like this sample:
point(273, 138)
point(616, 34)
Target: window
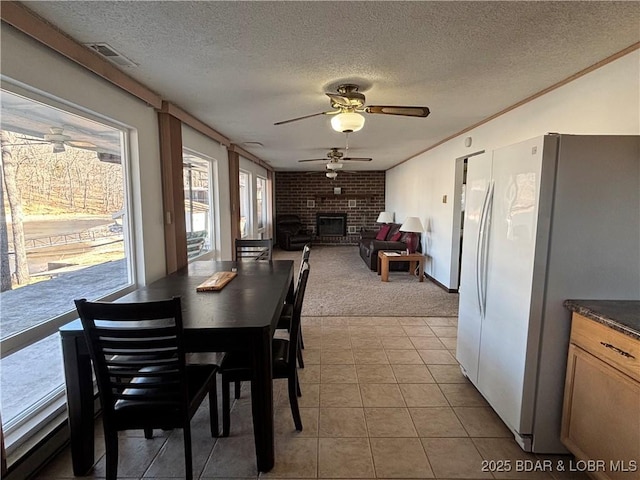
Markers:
point(64, 234)
point(261, 203)
point(198, 204)
point(246, 225)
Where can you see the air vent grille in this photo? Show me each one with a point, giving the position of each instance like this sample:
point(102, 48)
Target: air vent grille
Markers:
point(108, 52)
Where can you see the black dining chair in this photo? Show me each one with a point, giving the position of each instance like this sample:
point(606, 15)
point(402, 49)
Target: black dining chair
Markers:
point(143, 381)
point(236, 367)
point(287, 311)
point(247, 249)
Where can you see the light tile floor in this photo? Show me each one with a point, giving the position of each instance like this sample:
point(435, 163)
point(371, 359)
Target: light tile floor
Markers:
point(382, 397)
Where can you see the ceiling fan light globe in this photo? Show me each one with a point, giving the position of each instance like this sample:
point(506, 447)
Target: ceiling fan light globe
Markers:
point(334, 166)
point(331, 174)
point(58, 147)
point(347, 122)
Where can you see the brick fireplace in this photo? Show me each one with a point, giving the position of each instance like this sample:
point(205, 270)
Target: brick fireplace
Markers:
point(356, 197)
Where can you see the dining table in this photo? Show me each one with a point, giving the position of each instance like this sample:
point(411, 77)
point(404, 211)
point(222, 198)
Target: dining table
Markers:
point(242, 317)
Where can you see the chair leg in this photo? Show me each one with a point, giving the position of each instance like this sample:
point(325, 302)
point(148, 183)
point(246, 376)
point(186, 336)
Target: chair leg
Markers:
point(301, 339)
point(299, 355)
point(188, 462)
point(237, 389)
point(226, 408)
point(148, 433)
point(294, 388)
point(111, 447)
point(213, 410)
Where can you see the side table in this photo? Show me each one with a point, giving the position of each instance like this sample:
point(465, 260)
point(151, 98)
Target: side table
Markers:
point(414, 259)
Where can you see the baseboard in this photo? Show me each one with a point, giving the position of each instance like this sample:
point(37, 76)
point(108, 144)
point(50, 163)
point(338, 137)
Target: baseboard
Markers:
point(443, 287)
point(41, 454)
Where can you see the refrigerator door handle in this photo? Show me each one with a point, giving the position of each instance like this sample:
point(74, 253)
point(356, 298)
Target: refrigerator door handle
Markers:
point(484, 244)
point(479, 248)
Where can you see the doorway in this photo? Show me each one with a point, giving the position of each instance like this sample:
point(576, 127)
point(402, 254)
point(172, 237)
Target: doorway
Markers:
point(457, 235)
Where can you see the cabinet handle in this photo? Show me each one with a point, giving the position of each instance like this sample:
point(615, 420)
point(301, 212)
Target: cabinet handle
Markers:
point(616, 349)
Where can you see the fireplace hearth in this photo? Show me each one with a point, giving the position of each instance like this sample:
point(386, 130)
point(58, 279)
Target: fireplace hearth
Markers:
point(331, 224)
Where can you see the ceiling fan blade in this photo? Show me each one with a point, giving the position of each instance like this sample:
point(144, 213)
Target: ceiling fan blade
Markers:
point(356, 159)
point(81, 144)
point(396, 110)
point(306, 116)
point(314, 160)
point(24, 144)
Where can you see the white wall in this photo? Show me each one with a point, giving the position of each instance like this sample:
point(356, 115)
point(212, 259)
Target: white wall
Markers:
point(200, 143)
point(605, 101)
point(34, 66)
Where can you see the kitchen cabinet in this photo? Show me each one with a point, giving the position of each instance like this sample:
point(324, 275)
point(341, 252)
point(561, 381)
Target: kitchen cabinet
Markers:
point(601, 411)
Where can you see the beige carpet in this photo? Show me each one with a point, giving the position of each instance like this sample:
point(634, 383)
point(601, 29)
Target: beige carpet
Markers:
point(340, 284)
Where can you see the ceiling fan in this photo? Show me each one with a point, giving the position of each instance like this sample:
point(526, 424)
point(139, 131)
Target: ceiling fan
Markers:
point(348, 104)
point(336, 157)
point(58, 139)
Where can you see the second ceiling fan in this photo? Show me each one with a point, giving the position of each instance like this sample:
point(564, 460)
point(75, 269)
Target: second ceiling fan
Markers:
point(349, 103)
point(335, 157)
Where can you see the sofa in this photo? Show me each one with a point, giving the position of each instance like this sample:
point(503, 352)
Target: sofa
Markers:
point(388, 237)
point(291, 233)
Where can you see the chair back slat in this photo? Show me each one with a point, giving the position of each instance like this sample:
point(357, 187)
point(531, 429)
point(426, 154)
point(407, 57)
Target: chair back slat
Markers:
point(259, 250)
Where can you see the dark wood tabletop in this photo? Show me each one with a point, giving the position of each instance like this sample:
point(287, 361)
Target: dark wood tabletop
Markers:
point(240, 317)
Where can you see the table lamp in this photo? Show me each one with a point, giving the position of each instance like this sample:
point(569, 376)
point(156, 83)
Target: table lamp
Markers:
point(413, 226)
point(385, 217)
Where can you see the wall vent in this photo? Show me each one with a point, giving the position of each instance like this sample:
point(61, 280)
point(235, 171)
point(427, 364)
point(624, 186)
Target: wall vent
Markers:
point(108, 52)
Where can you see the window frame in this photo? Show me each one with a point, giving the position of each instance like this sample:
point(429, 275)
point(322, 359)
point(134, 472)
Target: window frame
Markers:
point(262, 209)
point(213, 205)
point(248, 201)
point(20, 429)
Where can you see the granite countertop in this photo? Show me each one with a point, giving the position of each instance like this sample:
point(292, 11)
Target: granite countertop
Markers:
point(621, 315)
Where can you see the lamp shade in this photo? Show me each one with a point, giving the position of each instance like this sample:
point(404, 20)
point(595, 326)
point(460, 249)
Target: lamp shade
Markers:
point(347, 122)
point(412, 224)
point(385, 217)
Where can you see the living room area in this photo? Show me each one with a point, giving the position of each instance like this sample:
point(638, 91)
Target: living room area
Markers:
point(349, 212)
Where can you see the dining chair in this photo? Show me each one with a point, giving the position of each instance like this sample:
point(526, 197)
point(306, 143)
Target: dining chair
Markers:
point(254, 249)
point(287, 311)
point(236, 366)
point(143, 380)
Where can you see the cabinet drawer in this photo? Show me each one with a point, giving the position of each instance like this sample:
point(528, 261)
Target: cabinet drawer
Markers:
point(611, 346)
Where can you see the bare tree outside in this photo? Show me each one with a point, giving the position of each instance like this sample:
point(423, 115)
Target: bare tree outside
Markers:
point(9, 170)
point(41, 188)
point(5, 269)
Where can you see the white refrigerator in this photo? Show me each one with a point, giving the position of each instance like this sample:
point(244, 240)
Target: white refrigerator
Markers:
point(548, 219)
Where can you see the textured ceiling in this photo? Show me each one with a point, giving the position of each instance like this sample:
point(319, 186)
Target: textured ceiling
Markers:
point(241, 66)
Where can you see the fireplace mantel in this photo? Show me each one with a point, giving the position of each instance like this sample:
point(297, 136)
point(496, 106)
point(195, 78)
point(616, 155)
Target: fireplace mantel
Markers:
point(322, 198)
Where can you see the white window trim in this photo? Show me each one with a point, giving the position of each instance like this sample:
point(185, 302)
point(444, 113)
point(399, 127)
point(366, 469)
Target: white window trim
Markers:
point(213, 204)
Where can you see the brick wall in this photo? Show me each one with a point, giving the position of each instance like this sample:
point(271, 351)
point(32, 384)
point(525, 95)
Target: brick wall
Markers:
point(305, 195)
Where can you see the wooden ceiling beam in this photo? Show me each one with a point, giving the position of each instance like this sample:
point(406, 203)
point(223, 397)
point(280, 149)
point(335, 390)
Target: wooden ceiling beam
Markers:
point(18, 16)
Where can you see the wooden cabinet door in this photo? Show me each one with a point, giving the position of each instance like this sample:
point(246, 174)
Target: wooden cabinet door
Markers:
point(601, 418)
